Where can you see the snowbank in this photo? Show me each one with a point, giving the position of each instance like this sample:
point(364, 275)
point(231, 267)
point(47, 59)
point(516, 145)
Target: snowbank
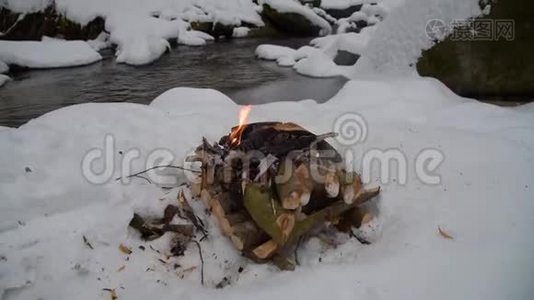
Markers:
point(47, 54)
point(400, 39)
point(317, 61)
point(484, 201)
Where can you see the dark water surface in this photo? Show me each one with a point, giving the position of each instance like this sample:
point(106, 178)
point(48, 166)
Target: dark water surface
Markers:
point(228, 66)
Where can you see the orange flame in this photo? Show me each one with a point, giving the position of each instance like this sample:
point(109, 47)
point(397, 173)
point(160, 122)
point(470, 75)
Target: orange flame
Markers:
point(235, 135)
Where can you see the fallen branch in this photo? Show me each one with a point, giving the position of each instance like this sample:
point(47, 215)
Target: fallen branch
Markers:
point(201, 262)
point(157, 167)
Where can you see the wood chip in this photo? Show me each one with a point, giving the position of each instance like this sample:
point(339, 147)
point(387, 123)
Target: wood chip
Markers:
point(445, 234)
point(121, 268)
point(125, 249)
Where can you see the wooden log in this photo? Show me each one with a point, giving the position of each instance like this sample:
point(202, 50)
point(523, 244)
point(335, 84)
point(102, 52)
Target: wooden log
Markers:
point(266, 249)
point(269, 215)
point(246, 236)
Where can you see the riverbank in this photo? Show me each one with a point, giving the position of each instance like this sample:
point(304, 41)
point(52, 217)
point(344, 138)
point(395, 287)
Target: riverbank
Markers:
point(228, 65)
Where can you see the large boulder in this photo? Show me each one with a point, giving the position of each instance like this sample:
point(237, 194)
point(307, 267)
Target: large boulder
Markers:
point(339, 13)
point(499, 67)
point(290, 23)
point(34, 26)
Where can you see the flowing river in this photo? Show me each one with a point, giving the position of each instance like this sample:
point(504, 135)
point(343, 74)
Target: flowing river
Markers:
point(227, 66)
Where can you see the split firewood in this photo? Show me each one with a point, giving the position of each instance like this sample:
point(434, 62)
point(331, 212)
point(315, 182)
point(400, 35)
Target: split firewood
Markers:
point(246, 236)
point(243, 233)
point(318, 218)
point(294, 187)
point(266, 249)
point(257, 202)
point(277, 223)
point(352, 185)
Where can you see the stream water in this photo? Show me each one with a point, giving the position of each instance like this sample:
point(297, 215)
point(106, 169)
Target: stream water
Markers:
point(228, 66)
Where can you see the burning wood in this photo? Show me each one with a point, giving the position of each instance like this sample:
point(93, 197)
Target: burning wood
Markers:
point(268, 184)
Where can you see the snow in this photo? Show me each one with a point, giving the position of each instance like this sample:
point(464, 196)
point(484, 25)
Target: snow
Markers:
point(240, 32)
point(100, 42)
point(292, 6)
point(47, 54)
point(4, 68)
point(483, 201)
point(4, 79)
point(273, 52)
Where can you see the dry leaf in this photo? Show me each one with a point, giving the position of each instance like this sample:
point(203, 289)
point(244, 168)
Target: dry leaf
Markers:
point(125, 249)
point(444, 234)
point(121, 268)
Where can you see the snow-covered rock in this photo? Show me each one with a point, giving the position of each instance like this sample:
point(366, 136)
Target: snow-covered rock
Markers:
point(240, 32)
point(276, 10)
point(47, 54)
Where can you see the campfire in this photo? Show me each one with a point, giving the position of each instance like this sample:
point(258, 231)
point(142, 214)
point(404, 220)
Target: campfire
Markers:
point(271, 184)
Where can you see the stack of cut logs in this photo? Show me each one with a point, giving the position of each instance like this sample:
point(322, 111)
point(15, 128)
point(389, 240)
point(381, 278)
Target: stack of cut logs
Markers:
point(270, 184)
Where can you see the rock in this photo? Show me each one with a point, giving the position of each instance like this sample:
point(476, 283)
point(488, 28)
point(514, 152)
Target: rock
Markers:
point(313, 3)
point(216, 30)
point(34, 26)
point(290, 23)
point(498, 69)
point(339, 13)
point(345, 58)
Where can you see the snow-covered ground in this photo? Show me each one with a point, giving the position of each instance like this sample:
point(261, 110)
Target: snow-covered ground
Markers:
point(483, 201)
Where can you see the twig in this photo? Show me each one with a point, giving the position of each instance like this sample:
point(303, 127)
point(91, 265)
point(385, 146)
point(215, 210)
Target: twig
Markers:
point(299, 241)
point(360, 239)
point(158, 167)
point(86, 242)
point(143, 177)
point(201, 262)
